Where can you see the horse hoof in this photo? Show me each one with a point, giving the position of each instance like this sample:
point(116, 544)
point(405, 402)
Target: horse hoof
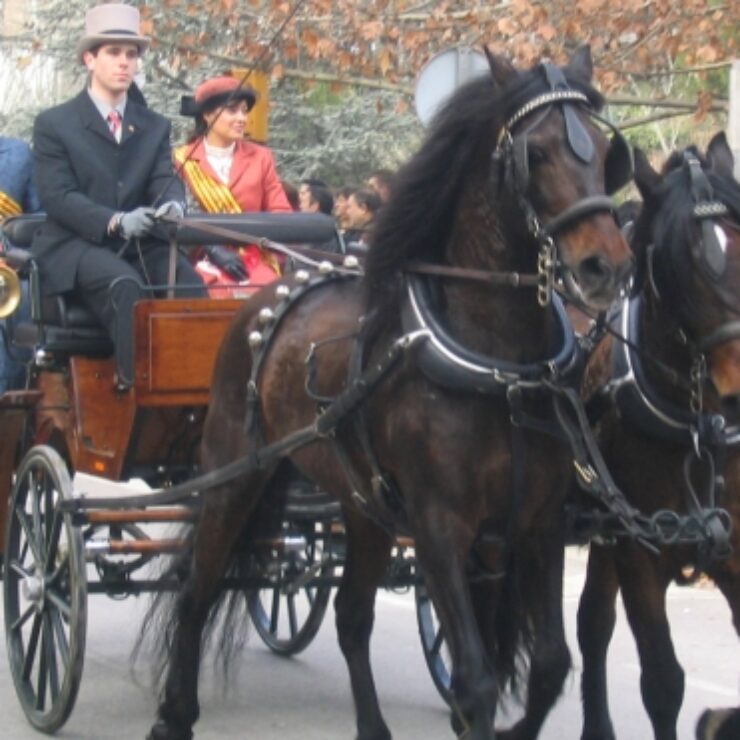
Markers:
point(162, 731)
point(718, 724)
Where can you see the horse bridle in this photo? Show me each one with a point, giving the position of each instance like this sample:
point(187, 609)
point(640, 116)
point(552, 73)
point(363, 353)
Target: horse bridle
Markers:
point(709, 256)
point(707, 253)
point(511, 154)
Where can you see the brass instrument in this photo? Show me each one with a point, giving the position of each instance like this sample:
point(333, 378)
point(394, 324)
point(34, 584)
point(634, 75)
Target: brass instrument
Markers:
point(10, 290)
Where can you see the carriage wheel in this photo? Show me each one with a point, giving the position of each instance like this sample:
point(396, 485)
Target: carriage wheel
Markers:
point(45, 591)
point(288, 614)
point(433, 643)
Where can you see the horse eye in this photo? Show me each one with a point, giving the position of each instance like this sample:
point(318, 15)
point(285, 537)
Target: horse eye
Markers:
point(536, 156)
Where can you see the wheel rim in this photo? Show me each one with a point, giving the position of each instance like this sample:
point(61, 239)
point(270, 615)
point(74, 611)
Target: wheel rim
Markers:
point(288, 614)
point(45, 592)
point(433, 644)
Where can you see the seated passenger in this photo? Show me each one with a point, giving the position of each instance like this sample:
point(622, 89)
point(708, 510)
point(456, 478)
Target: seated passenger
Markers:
point(362, 209)
point(17, 196)
point(103, 168)
point(226, 173)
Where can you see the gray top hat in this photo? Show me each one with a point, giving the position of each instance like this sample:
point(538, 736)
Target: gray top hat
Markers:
point(106, 24)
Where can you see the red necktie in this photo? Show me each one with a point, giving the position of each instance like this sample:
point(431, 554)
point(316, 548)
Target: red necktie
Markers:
point(114, 123)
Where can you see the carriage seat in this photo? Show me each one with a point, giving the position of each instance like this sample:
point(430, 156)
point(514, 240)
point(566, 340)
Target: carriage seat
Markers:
point(62, 324)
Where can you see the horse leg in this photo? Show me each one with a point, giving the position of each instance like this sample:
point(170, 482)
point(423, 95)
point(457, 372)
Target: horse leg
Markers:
point(367, 558)
point(474, 683)
point(596, 618)
point(662, 678)
point(222, 520)
point(542, 561)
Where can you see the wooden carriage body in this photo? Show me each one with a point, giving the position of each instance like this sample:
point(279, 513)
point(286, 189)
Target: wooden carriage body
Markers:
point(152, 431)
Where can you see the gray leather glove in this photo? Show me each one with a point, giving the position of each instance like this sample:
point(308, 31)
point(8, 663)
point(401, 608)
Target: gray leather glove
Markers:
point(136, 223)
point(170, 209)
point(229, 260)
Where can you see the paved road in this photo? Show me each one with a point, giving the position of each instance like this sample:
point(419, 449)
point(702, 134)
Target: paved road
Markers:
point(307, 698)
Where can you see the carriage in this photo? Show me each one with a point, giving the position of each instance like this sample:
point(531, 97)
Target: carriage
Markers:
point(490, 536)
point(70, 435)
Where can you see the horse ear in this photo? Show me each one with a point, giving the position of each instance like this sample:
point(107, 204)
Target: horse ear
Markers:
point(581, 65)
point(719, 155)
point(646, 178)
point(502, 70)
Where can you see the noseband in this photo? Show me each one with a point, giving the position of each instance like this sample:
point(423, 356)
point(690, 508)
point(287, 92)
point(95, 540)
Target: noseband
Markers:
point(511, 156)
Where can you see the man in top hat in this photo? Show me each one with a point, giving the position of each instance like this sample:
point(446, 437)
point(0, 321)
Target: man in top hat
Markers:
point(103, 168)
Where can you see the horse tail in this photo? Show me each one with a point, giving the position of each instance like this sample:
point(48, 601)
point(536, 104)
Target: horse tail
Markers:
point(226, 627)
point(514, 632)
point(519, 609)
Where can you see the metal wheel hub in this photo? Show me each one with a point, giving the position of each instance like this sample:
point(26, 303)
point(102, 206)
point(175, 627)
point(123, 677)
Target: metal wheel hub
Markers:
point(33, 590)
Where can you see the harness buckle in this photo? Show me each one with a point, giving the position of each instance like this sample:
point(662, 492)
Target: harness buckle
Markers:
point(545, 270)
point(698, 376)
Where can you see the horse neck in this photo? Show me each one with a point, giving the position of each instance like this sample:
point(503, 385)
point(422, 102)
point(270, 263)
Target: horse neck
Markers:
point(659, 341)
point(499, 321)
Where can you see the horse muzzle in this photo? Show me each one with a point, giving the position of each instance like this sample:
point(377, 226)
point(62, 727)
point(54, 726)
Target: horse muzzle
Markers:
point(724, 368)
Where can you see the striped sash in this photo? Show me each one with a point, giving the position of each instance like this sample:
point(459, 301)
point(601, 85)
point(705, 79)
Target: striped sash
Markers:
point(9, 206)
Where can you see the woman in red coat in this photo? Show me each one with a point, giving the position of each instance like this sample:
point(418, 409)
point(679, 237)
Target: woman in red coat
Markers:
point(226, 173)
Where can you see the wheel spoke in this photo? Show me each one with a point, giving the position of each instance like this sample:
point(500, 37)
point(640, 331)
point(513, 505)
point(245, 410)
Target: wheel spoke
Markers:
point(58, 602)
point(439, 639)
point(51, 657)
point(18, 624)
point(61, 637)
point(292, 616)
point(43, 676)
point(31, 540)
point(53, 540)
point(56, 575)
point(275, 611)
point(33, 642)
point(17, 568)
point(310, 594)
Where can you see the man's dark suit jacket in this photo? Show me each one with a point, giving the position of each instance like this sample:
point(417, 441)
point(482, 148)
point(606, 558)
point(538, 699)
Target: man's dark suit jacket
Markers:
point(84, 176)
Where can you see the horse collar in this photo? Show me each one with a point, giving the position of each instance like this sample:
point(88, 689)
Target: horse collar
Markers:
point(447, 363)
point(639, 402)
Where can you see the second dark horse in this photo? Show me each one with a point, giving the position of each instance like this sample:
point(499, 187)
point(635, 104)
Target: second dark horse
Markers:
point(664, 395)
point(513, 171)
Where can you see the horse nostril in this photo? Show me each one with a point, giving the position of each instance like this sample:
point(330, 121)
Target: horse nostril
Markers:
point(595, 270)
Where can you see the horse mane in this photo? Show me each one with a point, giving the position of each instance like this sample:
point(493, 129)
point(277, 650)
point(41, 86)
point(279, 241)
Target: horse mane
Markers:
point(418, 220)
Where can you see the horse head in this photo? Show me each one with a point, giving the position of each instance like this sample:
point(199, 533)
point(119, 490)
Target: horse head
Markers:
point(514, 175)
point(558, 169)
point(687, 240)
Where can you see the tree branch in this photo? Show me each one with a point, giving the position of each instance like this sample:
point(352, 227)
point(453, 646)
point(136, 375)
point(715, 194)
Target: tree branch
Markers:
point(682, 105)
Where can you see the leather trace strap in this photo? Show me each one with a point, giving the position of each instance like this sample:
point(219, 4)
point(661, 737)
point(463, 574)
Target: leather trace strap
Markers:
point(488, 277)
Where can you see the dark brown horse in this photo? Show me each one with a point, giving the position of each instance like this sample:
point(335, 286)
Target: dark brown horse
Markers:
point(419, 438)
point(662, 425)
